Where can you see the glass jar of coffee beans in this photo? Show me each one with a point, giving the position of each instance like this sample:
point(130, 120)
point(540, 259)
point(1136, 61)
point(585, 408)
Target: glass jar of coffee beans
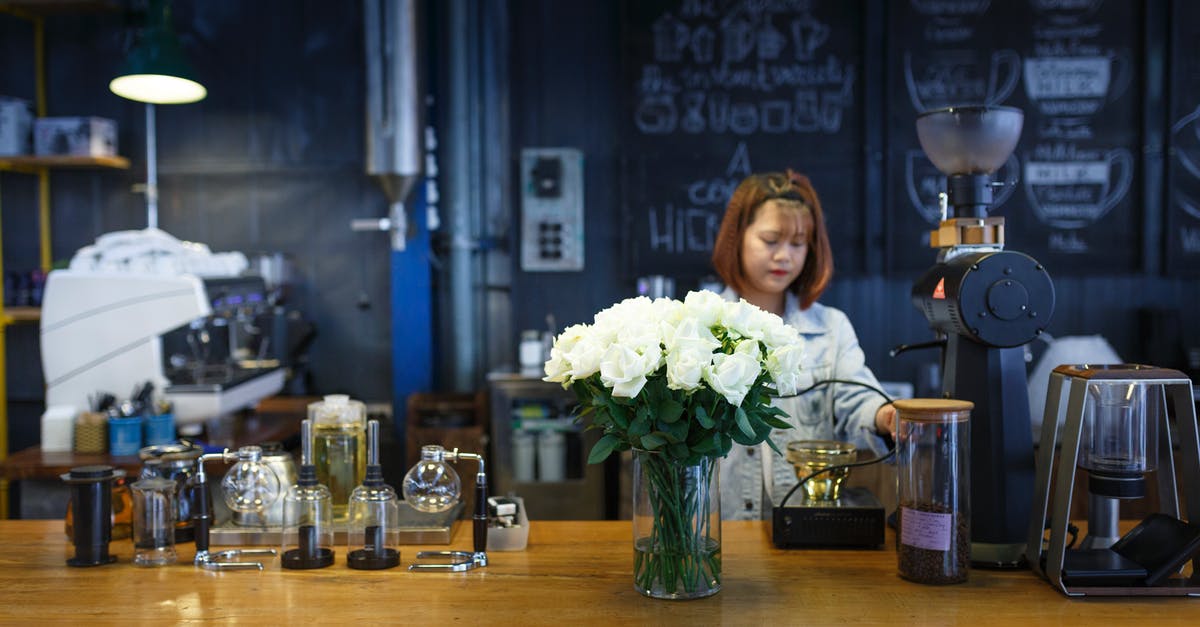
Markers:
point(933, 459)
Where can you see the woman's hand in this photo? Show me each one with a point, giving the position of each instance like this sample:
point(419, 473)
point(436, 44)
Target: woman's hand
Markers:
point(885, 420)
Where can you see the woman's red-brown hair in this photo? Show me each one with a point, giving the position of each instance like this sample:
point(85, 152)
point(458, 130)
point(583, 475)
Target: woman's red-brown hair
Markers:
point(743, 205)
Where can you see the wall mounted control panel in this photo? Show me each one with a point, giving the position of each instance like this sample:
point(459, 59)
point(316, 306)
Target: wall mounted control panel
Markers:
point(551, 210)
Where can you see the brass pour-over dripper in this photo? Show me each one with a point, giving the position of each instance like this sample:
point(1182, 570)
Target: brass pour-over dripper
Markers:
point(249, 486)
point(432, 486)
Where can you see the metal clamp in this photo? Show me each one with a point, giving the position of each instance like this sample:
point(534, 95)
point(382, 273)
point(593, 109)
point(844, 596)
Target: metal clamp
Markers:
point(460, 561)
point(214, 561)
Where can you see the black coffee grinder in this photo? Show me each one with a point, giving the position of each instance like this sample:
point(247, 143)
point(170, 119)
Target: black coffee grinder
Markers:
point(986, 303)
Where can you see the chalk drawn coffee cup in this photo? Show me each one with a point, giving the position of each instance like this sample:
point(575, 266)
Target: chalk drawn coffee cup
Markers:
point(1075, 194)
point(1074, 86)
point(1185, 142)
point(942, 78)
point(924, 182)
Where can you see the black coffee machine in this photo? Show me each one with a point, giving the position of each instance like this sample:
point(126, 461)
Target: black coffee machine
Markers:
point(986, 303)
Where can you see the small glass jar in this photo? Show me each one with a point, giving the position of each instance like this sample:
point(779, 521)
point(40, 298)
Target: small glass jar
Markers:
point(933, 460)
point(154, 522)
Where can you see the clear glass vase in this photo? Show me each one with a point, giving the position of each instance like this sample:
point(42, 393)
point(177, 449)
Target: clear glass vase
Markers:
point(676, 527)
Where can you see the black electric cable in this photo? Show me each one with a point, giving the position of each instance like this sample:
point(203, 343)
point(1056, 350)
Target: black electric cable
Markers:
point(891, 452)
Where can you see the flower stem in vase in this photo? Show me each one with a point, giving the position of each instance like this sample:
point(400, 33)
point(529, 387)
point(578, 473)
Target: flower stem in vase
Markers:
point(677, 547)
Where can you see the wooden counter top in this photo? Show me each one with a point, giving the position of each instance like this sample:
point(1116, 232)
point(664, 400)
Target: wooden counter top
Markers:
point(570, 572)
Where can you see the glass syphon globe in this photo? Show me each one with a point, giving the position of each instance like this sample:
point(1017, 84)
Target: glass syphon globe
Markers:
point(432, 485)
point(250, 485)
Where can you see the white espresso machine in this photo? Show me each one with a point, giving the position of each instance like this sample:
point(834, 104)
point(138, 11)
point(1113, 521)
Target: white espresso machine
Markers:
point(104, 317)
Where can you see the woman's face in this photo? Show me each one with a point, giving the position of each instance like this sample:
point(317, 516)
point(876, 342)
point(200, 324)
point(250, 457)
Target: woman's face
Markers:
point(775, 246)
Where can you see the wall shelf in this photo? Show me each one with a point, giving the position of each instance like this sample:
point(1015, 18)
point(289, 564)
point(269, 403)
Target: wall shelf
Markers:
point(33, 162)
point(18, 315)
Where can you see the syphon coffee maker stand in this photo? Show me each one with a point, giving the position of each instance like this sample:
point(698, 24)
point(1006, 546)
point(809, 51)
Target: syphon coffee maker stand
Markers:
point(986, 303)
point(1116, 429)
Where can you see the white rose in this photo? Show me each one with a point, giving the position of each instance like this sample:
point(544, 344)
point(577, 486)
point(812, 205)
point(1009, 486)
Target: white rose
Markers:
point(624, 369)
point(704, 306)
point(777, 333)
point(743, 319)
point(686, 362)
point(584, 357)
point(732, 375)
point(558, 369)
point(783, 364)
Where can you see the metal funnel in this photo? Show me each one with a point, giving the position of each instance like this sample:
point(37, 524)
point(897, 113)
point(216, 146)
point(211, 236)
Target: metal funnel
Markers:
point(973, 139)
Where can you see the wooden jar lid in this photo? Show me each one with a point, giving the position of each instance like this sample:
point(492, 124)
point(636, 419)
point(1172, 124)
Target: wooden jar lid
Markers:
point(934, 409)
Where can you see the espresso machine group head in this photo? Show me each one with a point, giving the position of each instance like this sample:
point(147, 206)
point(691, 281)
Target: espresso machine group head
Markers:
point(986, 303)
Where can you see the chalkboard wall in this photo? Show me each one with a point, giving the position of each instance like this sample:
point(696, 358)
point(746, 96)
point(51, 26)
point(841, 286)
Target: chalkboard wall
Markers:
point(717, 89)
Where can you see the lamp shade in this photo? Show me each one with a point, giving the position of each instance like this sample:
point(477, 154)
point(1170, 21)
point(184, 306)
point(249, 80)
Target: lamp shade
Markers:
point(156, 70)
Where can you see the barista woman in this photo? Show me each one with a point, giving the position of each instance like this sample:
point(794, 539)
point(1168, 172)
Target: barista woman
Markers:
point(773, 250)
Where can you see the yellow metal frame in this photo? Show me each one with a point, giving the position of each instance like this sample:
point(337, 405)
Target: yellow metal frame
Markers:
point(43, 174)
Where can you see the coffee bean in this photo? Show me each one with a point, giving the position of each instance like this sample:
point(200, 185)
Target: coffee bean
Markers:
point(930, 566)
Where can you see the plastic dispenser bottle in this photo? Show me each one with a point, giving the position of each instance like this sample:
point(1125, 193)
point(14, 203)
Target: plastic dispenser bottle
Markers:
point(307, 515)
point(339, 447)
point(372, 535)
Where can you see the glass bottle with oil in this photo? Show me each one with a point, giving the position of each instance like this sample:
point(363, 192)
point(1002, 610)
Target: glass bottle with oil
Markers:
point(339, 431)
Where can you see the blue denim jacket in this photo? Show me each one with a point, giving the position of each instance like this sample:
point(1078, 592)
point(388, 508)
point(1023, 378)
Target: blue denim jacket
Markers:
point(832, 412)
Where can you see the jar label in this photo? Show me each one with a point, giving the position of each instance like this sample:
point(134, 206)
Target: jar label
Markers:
point(926, 530)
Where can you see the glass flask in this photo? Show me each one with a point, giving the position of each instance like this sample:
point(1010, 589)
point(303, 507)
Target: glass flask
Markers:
point(933, 458)
point(372, 535)
point(307, 515)
point(154, 521)
point(339, 446)
point(250, 485)
point(432, 485)
point(1117, 438)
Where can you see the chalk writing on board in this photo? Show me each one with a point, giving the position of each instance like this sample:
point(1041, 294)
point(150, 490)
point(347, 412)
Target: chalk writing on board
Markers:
point(1070, 187)
point(1185, 138)
point(940, 78)
point(760, 68)
point(1076, 85)
point(693, 228)
point(950, 8)
point(1189, 240)
point(1187, 203)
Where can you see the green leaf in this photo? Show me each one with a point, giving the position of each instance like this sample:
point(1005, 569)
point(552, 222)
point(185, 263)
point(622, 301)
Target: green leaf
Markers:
point(640, 425)
point(707, 445)
point(726, 444)
point(743, 422)
point(669, 410)
point(773, 446)
point(679, 450)
point(603, 448)
point(617, 413)
point(677, 432)
point(652, 441)
point(776, 422)
point(703, 418)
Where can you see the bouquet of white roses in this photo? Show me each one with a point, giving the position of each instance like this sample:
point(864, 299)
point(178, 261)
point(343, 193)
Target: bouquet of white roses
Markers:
point(685, 378)
point(680, 382)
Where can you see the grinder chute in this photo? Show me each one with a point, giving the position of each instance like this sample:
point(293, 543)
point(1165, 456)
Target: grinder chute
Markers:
point(986, 303)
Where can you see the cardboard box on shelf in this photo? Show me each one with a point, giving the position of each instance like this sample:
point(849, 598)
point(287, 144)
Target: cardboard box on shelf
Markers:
point(80, 137)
